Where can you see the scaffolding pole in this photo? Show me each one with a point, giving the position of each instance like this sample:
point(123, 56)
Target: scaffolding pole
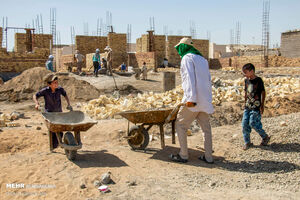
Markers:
point(265, 32)
point(53, 25)
point(129, 38)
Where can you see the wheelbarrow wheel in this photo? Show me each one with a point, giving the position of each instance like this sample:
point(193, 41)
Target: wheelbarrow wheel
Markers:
point(70, 140)
point(140, 139)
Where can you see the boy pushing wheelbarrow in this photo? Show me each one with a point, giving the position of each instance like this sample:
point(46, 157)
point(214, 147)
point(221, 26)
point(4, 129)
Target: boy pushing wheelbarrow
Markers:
point(52, 98)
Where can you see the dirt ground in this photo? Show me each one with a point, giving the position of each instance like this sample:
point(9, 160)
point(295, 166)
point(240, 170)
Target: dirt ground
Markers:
point(271, 172)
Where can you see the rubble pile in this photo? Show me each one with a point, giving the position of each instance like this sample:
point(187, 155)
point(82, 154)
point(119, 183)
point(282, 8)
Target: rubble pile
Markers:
point(223, 91)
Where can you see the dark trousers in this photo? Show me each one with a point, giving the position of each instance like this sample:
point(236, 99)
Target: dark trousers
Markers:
point(55, 139)
point(96, 67)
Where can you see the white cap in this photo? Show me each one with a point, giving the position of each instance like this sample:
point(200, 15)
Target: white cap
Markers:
point(185, 40)
point(51, 57)
point(107, 48)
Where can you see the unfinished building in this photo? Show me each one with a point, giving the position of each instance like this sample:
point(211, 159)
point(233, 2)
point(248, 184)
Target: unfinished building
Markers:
point(290, 44)
point(21, 59)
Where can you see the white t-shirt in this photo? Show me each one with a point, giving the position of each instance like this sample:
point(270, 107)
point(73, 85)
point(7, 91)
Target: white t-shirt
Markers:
point(79, 57)
point(196, 83)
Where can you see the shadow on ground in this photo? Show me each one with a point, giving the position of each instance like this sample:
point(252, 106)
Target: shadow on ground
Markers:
point(279, 147)
point(86, 159)
point(260, 166)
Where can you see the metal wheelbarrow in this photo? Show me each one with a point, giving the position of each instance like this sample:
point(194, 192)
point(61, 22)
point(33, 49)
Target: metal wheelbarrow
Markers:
point(75, 121)
point(138, 136)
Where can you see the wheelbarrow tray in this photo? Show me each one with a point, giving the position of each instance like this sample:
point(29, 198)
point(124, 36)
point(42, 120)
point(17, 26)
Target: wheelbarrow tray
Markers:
point(68, 121)
point(147, 116)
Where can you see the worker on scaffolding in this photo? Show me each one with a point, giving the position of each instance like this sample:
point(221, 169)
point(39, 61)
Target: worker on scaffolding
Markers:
point(49, 63)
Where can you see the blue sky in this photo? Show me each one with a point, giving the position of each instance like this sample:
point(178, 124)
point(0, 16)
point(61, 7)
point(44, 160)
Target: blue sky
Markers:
point(215, 16)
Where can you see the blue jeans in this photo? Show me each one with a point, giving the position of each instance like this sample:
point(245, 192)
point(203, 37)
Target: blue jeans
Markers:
point(252, 119)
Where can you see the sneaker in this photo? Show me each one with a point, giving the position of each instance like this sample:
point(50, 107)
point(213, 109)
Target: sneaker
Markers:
point(247, 146)
point(265, 141)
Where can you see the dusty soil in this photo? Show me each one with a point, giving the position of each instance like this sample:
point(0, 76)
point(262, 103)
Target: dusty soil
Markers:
point(30, 81)
point(271, 172)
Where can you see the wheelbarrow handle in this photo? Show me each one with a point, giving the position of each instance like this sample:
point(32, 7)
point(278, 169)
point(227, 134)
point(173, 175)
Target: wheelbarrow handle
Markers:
point(174, 112)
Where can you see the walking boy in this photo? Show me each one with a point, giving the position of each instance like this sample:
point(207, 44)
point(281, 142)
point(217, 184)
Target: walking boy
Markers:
point(254, 106)
point(51, 95)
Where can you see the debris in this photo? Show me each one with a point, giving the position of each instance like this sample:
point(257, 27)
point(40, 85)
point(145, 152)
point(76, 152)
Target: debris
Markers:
point(103, 188)
point(97, 183)
point(223, 91)
point(27, 126)
point(189, 132)
point(212, 184)
point(16, 115)
point(2, 123)
point(5, 117)
point(38, 128)
point(82, 186)
point(105, 178)
point(283, 123)
point(131, 183)
point(13, 124)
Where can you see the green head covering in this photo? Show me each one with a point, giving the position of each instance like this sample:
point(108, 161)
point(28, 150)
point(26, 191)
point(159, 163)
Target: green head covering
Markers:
point(184, 49)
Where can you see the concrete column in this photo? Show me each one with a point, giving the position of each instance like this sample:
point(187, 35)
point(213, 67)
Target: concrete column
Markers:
point(169, 81)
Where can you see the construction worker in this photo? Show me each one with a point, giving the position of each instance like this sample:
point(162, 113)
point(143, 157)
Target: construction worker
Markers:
point(197, 97)
point(109, 60)
point(49, 63)
point(79, 61)
point(96, 62)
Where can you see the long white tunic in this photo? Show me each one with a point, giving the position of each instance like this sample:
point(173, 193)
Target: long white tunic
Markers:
point(196, 83)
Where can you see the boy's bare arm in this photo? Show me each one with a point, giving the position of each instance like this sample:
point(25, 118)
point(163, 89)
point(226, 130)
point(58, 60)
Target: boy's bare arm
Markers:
point(67, 99)
point(37, 104)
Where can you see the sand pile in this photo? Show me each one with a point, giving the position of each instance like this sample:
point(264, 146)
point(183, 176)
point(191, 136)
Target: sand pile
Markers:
point(30, 81)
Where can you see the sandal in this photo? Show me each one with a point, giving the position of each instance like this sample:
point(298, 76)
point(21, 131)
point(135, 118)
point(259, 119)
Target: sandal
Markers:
point(177, 158)
point(202, 157)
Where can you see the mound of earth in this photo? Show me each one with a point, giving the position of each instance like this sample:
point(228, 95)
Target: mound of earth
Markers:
point(30, 81)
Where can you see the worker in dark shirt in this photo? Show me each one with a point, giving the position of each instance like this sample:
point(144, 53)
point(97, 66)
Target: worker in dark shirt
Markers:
point(51, 95)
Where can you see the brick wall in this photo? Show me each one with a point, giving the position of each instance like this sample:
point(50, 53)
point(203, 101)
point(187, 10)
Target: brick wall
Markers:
point(202, 46)
point(18, 62)
point(139, 45)
point(39, 40)
point(171, 53)
point(238, 62)
point(159, 48)
point(148, 57)
point(132, 61)
point(290, 44)
point(88, 44)
point(118, 43)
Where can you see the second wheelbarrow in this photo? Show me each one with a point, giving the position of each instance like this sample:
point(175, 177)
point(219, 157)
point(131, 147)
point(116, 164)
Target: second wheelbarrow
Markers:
point(138, 136)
